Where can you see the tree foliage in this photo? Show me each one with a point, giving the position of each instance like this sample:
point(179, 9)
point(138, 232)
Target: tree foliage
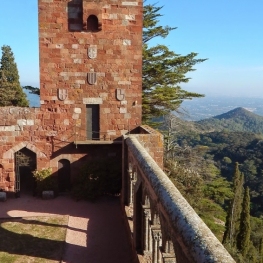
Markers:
point(163, 69)
point(243, 237)
point(32, 90)
point(234, 211)
point(11, 93)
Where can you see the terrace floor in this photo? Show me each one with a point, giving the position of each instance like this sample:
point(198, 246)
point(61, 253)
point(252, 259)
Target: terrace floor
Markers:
point(96, 231)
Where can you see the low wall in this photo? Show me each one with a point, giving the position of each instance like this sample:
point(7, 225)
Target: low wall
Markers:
point(165, 227)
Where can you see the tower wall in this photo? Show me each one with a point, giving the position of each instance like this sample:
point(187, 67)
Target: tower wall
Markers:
point(85, 62)
point(90, 88)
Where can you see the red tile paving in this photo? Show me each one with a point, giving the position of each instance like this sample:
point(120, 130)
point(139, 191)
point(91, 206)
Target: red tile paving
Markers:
point(96, 231)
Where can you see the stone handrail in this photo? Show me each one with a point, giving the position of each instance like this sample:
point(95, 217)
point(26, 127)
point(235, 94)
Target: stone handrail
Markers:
point(165, 227)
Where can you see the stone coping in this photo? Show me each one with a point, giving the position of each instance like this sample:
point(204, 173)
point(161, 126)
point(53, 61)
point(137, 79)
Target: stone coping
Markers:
point(196, 238)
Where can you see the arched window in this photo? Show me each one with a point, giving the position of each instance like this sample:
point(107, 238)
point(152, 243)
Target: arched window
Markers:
point(92, 23)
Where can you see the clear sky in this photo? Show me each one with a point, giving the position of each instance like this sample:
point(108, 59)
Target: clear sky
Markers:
point(227, 32)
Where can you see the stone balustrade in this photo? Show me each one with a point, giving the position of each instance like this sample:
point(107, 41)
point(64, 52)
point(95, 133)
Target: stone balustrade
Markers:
point(165, 228)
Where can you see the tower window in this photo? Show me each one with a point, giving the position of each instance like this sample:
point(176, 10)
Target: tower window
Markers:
point(92, 23)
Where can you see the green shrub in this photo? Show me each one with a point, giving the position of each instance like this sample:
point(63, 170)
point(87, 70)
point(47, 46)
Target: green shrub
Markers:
point(45, 181)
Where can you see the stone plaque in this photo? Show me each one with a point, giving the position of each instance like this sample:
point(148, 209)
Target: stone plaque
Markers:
point(92, 51)
point(120, 94)
point(92, 78)
point(92, 100)
point(62, 94)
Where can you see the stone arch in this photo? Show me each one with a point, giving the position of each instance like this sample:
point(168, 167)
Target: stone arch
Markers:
point(10, 154)
point(54, 162)
point(167, 245)
point(134, 173)
point(147, 200)
point(25, 164)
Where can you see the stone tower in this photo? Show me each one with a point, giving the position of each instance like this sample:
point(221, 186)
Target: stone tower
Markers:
point(90, 91)
point(90, 65)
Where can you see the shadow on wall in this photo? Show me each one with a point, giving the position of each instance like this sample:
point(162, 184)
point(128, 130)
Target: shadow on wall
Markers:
point(97, 172)
point(79, 21)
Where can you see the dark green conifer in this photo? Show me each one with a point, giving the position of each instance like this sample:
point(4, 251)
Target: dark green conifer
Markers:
point(11, 92)
point(163, 70)
point(243, 237)
point(234, 211)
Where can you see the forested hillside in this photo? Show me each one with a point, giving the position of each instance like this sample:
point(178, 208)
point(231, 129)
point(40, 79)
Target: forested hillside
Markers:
point(238, 119)
point(201, 162)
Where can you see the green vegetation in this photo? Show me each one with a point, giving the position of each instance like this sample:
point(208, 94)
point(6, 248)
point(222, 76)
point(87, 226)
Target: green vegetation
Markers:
point(243, 237)
point(32, 239)
point(163, 70)
point(45, 181)
point(211, 169)
point(11, 93)
point(239, 119)
point(234, 210)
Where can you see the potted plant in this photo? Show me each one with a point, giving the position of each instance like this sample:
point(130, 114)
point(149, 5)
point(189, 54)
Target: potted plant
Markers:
point(46, 184)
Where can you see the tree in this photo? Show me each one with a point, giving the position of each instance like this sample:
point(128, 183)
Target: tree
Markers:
point(234, 211)
point(32, 90)
point(163, 70)
point(11, 93)
point(243, 237)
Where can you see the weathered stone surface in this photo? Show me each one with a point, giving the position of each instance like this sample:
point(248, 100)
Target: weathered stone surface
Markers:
point(188, 232)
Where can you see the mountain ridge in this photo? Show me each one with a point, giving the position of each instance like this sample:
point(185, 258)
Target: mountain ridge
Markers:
point(238, 119)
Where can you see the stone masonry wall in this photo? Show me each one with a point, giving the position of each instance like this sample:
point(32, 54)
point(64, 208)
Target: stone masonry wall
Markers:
point(79, 66)
point(90, 53)
point(152, 141)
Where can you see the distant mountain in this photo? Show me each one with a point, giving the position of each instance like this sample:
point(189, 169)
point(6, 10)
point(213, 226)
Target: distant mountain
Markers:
point(202, 108)
point(238, 119)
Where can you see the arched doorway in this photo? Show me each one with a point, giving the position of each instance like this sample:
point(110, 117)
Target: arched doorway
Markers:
point(63, 175)
point(25, 164)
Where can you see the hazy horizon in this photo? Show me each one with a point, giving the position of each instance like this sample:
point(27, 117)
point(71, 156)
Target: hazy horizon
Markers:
point(225, 32)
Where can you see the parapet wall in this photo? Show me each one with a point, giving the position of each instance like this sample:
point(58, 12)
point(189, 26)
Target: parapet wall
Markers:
point(152, 141)
point(165, 227)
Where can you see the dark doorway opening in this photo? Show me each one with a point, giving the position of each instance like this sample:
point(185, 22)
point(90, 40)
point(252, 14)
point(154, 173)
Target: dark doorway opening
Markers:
point(93, 121)
point(64, 175)
point(25, 164)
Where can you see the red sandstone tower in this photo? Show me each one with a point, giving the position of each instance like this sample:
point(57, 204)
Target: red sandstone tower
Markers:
point(90, 91)
point(90, 65)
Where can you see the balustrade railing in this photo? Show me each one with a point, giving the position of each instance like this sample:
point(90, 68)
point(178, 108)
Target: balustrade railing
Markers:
point(165, 228)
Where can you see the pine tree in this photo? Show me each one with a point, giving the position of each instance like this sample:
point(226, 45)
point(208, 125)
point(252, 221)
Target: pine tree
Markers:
point(163, 70)
point(234, 211)
point(243, 237)
point(11, 93)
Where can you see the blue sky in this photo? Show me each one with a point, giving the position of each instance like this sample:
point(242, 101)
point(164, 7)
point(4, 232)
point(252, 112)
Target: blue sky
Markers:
point(228, 33)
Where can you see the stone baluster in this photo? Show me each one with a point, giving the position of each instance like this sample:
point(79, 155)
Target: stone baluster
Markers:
point(147, 215)
point(156, 256)
point(130, 188)
point(168, 256)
